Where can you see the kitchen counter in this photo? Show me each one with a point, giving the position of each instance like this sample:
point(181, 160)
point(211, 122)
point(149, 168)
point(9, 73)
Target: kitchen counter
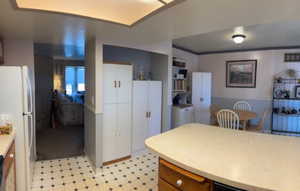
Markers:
point(247, 160)
point(5, 142)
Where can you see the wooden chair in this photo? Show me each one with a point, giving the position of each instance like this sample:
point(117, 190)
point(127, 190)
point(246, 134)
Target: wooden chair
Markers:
point(242, 105)
point(260, 126)
point(213, 111)
point(228, 119)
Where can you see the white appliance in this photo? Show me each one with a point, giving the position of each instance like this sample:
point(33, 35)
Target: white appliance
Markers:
point(201, 96)
point(16, 100)
point(147, 107)
point(117, 111)
point(182, 114)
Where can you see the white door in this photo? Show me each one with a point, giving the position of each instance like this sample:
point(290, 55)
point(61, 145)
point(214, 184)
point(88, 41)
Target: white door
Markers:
point(110, 83)
point(29, 127)
point(139, 112)
point(124, 83)
point(201, 96)
point(124, 130)
point(155, 107)
point(110, 132)
point(205, 99)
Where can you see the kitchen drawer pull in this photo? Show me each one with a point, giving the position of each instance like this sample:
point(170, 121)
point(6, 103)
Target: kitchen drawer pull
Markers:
point(186, 173)
point(179, 182)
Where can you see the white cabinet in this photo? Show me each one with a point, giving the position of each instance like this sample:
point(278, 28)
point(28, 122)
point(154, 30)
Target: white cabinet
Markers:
point(147, 107)
point(117, 111)
point(182, 114)
point(201, 96)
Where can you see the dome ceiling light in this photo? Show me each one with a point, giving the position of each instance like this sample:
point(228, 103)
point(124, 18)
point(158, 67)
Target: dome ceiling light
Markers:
point(125, 12)
point(238, 36)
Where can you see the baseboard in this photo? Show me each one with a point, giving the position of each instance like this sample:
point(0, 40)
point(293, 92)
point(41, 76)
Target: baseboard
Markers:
point(117, 160)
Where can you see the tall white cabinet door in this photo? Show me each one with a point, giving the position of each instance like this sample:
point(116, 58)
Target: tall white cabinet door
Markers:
point(124, 131)
point(155, 107)
point(110, 83)
point(124, 78)
point(196, 88)
point(201, 96)
point(139, 111)
point(205, 99)
point(110, 130)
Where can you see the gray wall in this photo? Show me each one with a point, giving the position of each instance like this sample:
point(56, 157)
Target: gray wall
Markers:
point(43, 90)
point(93, 136)
point(159, 69)
point(64, 51)
point(141, 60)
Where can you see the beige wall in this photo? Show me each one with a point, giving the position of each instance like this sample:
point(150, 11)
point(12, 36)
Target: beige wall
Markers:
point(270, 63)
point(192, 60)
point(94, 82)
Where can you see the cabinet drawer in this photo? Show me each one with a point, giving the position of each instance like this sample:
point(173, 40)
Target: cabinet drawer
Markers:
point(182, 179)
point(164, 186)
point(9, 160)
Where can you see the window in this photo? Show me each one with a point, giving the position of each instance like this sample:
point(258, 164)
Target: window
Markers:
point(74, 79)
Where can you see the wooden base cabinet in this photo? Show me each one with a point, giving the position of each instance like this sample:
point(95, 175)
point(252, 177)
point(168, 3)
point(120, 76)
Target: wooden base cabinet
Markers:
point(9, 170)
point(173, 178)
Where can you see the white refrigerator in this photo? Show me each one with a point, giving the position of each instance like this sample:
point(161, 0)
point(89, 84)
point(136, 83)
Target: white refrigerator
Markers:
point(16, 100)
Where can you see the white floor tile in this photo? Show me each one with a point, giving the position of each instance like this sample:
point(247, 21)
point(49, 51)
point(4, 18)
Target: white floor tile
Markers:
point(75, 174)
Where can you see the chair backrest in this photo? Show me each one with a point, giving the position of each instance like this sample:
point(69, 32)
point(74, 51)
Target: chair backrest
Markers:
point(214, 108)
point(242, 105)
point(261, 123)
point(213, 113)
point(228, 119)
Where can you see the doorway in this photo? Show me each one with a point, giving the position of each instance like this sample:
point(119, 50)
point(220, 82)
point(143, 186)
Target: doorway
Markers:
point(60, 90)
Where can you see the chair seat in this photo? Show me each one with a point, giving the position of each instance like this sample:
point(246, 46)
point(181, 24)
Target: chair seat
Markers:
point(254, 128)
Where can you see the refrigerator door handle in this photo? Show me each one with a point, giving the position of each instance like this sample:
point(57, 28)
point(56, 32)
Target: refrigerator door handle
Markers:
point(30, 109)
point(31, 131)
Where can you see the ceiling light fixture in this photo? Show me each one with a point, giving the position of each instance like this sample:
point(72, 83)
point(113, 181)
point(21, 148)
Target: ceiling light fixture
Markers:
point(238, 38)
point(104, 10)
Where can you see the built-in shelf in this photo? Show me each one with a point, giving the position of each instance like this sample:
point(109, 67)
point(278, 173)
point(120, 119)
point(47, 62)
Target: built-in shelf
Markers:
point(287, 115)
point(297, 99)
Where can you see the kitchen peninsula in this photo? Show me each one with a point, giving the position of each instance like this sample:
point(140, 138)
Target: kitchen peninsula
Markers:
point(245, 160)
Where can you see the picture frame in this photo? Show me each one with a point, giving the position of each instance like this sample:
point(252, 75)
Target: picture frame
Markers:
point(241, 73)
point(1, 51)
point(297, 92)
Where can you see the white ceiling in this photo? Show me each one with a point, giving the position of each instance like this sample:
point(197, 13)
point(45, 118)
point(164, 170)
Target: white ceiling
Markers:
point(275, 35)
point(125, 12)
point(191, 17)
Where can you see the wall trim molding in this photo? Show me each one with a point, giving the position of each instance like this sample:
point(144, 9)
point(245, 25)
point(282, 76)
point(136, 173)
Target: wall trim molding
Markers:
point(185, 49)
point(236, 50)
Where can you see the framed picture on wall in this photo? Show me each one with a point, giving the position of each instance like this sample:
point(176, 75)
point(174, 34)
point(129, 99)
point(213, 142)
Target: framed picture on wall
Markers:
point(297, 92)
point(1, 51)
point(241, 73)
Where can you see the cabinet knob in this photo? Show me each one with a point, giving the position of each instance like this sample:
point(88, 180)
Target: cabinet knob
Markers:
point(179, 182)
point(11, 155)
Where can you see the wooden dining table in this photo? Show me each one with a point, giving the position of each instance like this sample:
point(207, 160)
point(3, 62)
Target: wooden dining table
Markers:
point(244, 116)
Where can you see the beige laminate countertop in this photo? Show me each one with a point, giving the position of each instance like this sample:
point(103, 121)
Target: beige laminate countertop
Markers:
point(5, 142)
point(247, 160)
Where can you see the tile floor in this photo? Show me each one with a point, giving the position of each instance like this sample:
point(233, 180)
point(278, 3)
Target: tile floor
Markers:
point(75, 174)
